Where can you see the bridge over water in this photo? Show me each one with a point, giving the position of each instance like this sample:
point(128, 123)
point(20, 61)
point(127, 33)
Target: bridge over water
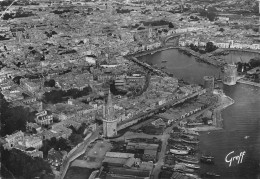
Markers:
point(172, 40)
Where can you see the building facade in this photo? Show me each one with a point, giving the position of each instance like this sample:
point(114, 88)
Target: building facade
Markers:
point(43, 118)
point(14, 138)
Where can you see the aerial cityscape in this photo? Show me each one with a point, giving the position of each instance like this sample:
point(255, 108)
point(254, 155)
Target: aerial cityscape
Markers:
point(130, 89)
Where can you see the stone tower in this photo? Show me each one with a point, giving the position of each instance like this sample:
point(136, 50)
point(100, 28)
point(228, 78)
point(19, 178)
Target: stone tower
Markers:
point(209, 83)
point(230, 74)
point(150, 32)
point(109, 120)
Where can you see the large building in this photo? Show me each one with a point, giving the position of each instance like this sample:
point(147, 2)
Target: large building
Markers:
point(230, 74)
point(43, 118)
point(14, 138)
point(109, 121)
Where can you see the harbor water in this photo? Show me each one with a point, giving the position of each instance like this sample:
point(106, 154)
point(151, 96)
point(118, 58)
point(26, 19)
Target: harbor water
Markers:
point(241, 134)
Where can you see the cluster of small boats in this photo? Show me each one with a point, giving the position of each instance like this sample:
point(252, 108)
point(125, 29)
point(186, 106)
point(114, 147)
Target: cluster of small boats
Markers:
point(182, 146)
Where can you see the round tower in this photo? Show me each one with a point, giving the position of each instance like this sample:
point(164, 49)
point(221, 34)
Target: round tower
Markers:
point(109, 120)
point(209, 83)
point(230, 74)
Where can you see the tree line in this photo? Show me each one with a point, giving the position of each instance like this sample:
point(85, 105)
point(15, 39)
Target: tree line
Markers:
point(22, 165)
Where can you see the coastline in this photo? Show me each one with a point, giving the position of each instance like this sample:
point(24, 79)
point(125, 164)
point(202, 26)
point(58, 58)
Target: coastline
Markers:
point(242, 81)
point(227, 101)
point(224, 102)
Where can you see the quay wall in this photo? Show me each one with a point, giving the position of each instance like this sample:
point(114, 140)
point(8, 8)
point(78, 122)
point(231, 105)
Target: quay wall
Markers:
point(204, 58)
point(170, 103)
point(211, 60)
point(147, 66)
point(248, 83)
point(148, 52)
point(241, 50)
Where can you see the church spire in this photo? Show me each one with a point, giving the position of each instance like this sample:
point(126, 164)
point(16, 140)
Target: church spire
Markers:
point(109, 121)
point(109, 111)
point(109, 99)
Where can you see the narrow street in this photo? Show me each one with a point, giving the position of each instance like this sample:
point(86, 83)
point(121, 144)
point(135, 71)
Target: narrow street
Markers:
point(164, 138)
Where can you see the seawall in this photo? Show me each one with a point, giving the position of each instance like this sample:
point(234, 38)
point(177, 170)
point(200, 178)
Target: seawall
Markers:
point(249, 83)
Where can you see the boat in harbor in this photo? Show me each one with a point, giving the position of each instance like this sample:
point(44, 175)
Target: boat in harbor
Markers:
point(163, 67)
point(189, 131)
point(192, 175)
point(190, 141)
point(193, 166)
point(179, 152)
point(188, 136)
point(207, 156)
point(181, 147)
point(177, 140)
point(164, 61)
point(187, 159)
point(210, 174)
point(182, 168)
point(207, 159)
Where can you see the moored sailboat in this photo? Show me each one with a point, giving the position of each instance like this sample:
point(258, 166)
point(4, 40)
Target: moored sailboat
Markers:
point(187, 159)
point(179, 152)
